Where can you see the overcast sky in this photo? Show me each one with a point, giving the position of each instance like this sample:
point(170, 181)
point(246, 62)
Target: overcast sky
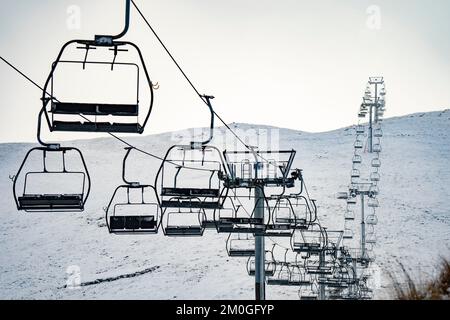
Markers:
point(288, 63)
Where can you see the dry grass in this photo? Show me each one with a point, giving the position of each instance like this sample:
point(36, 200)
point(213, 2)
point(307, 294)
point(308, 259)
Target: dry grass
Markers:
point(434, 289)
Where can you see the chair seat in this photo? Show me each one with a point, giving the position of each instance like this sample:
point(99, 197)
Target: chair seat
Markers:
point(319, 271)
point(279, 227)
point(95, 109)
point(231, 228)
point(299, 282)
point(278, 233)
point(209, 224)
point(233, 220)
point(190, 204)
point(333, 284)
point(190, 192)
point(285, 220)
point(241, 252)
point(184, 231)
point(267, 273)
point(278, 282)
point(303, 247)
point(51, 201)
point(309, 298)
point(270, 273)
point(96, 127)
point(131, 224)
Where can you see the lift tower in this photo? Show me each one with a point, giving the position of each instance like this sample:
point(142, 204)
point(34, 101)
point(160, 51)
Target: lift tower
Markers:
point(373, 101)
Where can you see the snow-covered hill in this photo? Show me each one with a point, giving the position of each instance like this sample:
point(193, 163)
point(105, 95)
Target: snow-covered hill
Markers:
point(37, 249)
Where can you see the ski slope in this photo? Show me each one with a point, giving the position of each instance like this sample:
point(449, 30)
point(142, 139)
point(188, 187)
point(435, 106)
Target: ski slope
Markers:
point(37, 249)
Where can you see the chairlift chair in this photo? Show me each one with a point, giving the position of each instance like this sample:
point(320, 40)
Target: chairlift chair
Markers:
point(129, 116)
point(349, 215)
point(355, 173)
point(302, 212)
point(357, 159)
point(190, 175)
point(378, 133)
point(233, 218)
point(124, 215)
point(332, 282)
point(348, 234)
point(359, 144)
point(373, 190)
point(189, 178)
point(362, 259)
point(342, 195)
point(376, 163)
point(240, 245)
point(377, 147)
point(134, 208)
point(309, 292)
point(342, 276)
point(269, 264)
point(38, 187)
point(208, 221)
point(370, 248)
point(373, 203)
point(283, 274)
point(360, 129)
point(283, 219)
point(298, 276)
point(367, 100)
point(269, 269)
point(371, 238)
point(183, 222)
point(312, 240)
point(281, 277)
point(372, 219)
point(375, 177)
point(283, 212)
point(246, 167)
point(333, 242)
point(317, 267)
point(305, 208)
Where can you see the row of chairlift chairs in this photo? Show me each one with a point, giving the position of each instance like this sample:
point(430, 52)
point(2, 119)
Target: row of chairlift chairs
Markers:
point(334, 266)
point(287, 215)
point(290, 215)
point(317, 260)
point(182, 209)
point(355, 176)
point(370, 189)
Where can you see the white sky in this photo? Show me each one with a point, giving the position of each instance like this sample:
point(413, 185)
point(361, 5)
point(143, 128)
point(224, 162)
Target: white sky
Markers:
point(289, 63)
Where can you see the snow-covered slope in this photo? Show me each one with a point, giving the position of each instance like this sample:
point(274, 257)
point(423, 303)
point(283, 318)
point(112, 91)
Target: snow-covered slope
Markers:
point(37, 249)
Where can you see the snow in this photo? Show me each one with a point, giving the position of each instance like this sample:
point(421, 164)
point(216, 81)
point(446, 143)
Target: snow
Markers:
point(38, 248)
